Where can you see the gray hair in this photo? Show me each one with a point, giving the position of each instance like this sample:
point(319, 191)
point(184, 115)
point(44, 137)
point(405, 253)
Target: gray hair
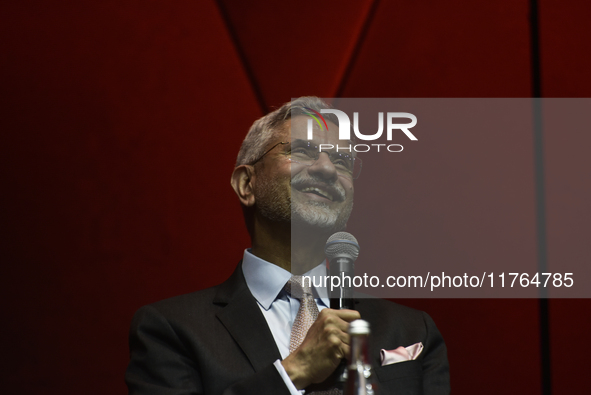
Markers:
point(263, 129)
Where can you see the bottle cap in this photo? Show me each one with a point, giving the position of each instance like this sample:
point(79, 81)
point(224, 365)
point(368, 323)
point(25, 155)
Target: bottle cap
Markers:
point(359, 327)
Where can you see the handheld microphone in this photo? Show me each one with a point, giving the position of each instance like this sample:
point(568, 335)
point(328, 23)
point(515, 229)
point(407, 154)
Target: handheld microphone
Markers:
point(341, 251)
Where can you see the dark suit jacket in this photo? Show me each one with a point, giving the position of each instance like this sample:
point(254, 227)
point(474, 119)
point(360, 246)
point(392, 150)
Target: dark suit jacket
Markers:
point(217, 341)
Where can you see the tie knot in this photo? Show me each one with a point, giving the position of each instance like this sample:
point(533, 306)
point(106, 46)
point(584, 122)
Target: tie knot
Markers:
point(298, 287)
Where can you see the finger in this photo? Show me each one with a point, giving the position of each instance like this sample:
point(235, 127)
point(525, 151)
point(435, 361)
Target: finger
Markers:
point(342, 326)
point(335, 333)
point(346, 350)
point(348, 315)
point(332, 320)
point(340, 349)
point(346, 339)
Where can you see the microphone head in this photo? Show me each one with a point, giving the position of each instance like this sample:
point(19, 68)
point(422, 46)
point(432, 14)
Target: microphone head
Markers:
point(342, 245)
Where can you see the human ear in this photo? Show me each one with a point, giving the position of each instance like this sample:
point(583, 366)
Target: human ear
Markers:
point(242, 181)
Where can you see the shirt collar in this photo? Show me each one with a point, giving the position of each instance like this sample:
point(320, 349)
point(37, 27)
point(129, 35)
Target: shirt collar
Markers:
point(266, 280)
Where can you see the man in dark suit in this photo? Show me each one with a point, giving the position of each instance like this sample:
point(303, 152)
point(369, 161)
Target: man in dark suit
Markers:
point(235, 338)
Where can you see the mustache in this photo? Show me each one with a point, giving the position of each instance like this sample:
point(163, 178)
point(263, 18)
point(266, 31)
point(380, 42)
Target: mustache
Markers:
point(301, 180)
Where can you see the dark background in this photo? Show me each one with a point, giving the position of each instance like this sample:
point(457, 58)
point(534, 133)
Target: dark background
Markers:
point(121, 121)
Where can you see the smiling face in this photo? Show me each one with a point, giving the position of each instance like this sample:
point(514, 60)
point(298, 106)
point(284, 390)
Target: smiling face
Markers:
point(313, 194)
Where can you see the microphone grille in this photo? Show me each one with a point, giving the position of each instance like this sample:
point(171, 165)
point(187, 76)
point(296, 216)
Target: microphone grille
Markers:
point(342, 244)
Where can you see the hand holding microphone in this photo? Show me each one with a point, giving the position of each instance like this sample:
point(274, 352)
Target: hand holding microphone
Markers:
point(327, 342)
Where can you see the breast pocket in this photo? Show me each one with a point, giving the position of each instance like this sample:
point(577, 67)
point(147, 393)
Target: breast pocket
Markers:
point(402, 378)
point(400, 370)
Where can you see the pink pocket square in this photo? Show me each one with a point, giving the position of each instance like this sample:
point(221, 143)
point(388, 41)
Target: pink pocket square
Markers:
point(401, 354)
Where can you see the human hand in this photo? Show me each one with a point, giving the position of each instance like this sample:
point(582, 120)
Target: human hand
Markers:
point(325, 344)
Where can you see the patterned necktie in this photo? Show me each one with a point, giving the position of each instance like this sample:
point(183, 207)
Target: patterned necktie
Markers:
point(307, 314)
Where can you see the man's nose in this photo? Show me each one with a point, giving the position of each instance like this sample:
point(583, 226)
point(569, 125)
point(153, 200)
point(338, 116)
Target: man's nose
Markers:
point(323, 167)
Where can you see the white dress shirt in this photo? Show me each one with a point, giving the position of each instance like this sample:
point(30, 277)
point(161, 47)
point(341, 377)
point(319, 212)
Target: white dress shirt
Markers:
point(266, 282)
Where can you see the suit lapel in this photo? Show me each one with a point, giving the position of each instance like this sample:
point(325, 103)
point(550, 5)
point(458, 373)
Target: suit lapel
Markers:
point(245, 322)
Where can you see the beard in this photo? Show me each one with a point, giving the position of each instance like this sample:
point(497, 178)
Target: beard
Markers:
point(320, 215)
point(275, 203)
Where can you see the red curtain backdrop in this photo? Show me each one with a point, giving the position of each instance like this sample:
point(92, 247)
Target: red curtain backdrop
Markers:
point(121, 121)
